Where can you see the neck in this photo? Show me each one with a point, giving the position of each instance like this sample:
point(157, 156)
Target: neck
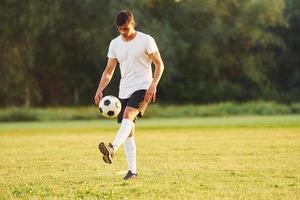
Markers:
point(130, 37)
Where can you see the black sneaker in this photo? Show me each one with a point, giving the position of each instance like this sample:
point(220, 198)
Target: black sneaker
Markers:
point(130, 175)
point(107, 151)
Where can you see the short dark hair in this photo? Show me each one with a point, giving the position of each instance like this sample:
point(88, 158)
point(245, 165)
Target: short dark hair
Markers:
point(124, 16)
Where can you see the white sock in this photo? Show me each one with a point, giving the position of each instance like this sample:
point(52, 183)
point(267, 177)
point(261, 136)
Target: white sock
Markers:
point(123, 133)
point(130, 152)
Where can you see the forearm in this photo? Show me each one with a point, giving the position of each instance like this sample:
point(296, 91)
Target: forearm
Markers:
point(159, 68)
point(105, 79)
point(151, 92)
point(107, 74)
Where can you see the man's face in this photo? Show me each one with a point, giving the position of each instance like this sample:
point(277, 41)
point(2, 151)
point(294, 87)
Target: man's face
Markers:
point(126, 29)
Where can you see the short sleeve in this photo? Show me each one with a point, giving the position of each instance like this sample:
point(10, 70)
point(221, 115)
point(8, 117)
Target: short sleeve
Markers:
point(111, 52)
point(151, 46)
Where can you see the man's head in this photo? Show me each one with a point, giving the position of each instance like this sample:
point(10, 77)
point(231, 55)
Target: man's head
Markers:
point(123, 17)
point(125, 23)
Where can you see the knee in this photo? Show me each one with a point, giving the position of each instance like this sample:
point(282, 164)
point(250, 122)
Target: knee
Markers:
point(126, 114)
point(130, 113)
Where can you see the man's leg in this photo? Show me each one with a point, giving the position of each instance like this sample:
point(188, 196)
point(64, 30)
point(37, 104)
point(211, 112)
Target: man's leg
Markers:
point(126, 127)
point(133, 107)
point(130, 152)
point(127, 124)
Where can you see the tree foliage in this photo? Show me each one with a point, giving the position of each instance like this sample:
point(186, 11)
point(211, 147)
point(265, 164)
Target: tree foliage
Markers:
point(53, 52)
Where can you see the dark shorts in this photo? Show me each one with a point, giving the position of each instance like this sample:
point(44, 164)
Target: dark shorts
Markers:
point(135, 101)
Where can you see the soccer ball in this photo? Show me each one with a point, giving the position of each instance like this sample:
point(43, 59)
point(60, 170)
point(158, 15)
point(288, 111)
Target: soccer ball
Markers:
point(110, 106)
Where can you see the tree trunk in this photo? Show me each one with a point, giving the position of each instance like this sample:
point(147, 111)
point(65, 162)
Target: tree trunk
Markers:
point(76, 96)
point(27, 96)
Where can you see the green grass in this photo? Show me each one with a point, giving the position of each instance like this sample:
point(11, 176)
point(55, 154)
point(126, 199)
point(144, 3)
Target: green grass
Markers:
point(247, 157)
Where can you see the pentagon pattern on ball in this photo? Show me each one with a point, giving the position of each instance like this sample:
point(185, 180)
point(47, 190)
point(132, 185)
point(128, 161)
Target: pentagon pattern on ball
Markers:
point(110, 113)
point(101, 111)
point(107, 102)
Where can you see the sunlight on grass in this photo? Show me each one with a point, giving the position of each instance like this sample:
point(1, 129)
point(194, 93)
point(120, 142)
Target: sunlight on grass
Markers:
point(195, 160)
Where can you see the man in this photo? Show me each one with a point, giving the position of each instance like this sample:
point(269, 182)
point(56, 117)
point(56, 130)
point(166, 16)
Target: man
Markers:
point(135, 52)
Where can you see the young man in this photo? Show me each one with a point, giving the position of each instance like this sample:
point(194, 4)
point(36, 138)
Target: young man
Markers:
point(135, 52)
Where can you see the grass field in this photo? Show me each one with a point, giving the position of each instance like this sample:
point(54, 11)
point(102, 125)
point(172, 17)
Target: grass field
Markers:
point(249, 157)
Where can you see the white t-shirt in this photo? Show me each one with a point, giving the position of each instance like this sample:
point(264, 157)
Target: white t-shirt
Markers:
point(135, 64)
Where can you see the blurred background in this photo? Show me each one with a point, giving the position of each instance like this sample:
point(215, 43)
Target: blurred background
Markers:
point(216, 52)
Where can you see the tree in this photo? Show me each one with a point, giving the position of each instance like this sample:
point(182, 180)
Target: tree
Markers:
point(288, 74)
point(53, 52)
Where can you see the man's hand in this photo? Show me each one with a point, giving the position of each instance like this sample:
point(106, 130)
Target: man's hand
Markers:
point(150, 94)
point(98, 97)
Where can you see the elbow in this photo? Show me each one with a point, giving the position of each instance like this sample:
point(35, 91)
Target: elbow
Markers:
point(162, 66)
point(106, 75)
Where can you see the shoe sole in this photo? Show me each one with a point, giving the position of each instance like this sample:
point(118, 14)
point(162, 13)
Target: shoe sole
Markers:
point(105, 159)
point(106, 155)
point(133, 177)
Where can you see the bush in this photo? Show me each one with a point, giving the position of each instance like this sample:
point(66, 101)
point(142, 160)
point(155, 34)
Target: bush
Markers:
point(17, 114)
point(295, 108)
point(154, 110)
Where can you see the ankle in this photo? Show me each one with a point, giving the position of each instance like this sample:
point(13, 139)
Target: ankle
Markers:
point(111, 146)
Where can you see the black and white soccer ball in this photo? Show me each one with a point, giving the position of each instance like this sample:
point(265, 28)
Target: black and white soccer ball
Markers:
point(110, 106)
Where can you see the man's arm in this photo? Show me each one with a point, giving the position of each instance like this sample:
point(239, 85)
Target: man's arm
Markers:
point(105, 79)
point(159, 68)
